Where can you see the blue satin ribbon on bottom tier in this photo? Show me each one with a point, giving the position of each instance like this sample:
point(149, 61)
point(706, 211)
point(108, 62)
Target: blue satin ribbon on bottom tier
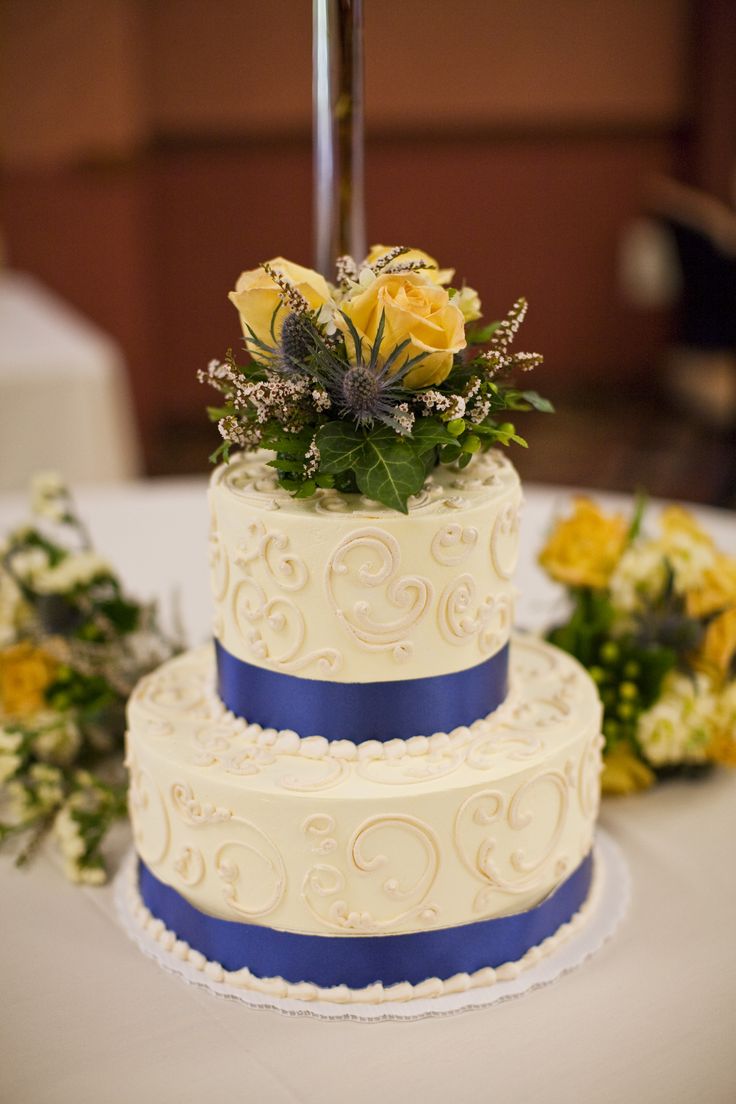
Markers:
point(361, 711)
point(357, 961)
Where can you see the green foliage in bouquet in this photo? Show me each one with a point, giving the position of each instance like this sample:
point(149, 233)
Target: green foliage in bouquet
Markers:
point(654, 621)
point(73, 643)
point(367, 385)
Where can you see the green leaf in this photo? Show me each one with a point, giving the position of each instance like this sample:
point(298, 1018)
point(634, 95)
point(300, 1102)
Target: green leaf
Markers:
point(640, 504)
point(389, 470)
point(290, 444)
point(340, 444)
point(428, 434)
point(544, 406)
point(222, 452)
point(482, 334)
point(282, 464)
point(377, 342)
point(357, 339)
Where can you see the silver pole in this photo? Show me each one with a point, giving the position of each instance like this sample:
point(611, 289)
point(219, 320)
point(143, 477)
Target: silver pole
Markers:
point(339, 216)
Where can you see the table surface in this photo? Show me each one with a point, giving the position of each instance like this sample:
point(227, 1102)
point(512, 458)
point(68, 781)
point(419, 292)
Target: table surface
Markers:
point(87, 1018)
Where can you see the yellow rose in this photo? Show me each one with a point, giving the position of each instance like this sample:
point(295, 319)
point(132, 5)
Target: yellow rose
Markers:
point(413, 309)
point(717, 589)
point(434, 273)
point(25, 672)
point(676, 520)
point(584, 549)
point(256, 297)
point(719, 645)
point(722, 748)
point(624, 773)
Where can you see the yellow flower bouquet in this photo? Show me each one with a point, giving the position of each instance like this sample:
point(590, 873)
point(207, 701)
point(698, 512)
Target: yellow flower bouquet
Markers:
point(73, 644)
point(367, 383)
point(653, 618)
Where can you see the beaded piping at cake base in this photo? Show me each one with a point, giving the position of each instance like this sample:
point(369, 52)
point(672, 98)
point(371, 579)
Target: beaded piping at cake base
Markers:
point(571, 945)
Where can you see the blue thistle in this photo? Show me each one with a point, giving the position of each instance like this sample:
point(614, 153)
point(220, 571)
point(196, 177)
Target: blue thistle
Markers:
point(365, 392)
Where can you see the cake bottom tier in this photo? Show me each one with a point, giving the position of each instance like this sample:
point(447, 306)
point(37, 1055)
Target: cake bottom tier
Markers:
point(338, 867)
point(397, 960)
point(358, 962)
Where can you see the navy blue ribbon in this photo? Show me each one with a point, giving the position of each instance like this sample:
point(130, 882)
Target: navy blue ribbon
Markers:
point(360, 711)
point(361, 960)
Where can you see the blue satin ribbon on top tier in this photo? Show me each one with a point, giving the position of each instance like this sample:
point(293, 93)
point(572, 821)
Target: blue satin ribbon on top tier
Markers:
point(361, 711)
point(357, 961)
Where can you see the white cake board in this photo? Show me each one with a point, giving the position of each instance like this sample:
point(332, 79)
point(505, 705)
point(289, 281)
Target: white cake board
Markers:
point(608, 905)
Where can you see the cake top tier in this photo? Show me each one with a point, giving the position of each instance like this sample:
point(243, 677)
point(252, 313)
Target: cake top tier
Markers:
point(338, 588)
point(447, 491)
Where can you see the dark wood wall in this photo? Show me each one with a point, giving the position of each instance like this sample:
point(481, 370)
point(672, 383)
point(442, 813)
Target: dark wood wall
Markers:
point(152, 150)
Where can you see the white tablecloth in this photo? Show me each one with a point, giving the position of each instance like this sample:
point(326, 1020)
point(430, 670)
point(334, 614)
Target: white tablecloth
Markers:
point(85, 1018)
point(64, 402)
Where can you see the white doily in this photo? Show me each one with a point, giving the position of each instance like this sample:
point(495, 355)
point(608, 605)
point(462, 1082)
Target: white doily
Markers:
point(607, 907)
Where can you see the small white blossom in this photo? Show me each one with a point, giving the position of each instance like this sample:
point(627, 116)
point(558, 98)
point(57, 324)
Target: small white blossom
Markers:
point(327, 318)
point(49, 496)
point(57, 739)
point(11, 609)
point(78, 569)
point(9, 764)
point(639, 577)
point(69, 834)
point(688, 557)
point(28, 563)
point(312, 459)
point(47, 784)
point(434, 402)
point(403, 419)
point(366, 277)
point(321, 399)
point(10, 741)
point(16, 804)
point(681, 724)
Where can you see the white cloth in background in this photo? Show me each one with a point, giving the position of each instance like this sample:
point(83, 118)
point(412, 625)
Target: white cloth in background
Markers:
point(64, 401)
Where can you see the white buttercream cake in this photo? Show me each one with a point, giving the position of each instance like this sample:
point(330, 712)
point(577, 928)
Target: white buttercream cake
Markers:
point(366, 790)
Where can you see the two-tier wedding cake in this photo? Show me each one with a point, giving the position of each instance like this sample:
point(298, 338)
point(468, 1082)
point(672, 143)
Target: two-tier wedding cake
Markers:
point(367, 790)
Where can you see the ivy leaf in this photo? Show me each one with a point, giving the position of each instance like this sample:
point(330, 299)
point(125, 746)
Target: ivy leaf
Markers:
point(428, 434)
point(389, 470)
point(340, 444)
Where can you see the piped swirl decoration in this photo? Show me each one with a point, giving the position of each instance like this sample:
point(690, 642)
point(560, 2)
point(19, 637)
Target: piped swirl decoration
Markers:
point(370, 558)
point(334, 899)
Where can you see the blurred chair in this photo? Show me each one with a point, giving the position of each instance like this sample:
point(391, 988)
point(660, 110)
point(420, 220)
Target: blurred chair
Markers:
point(64, 400)
point(684, 255)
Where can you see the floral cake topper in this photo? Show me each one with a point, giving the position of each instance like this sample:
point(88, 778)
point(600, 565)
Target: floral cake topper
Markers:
point(367, 384)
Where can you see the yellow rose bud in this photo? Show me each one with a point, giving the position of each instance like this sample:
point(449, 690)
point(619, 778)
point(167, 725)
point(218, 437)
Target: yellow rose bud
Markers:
point(584, 549)
point(433, 273)
point(415, 310)
point(256, 298)
point(467, 302)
